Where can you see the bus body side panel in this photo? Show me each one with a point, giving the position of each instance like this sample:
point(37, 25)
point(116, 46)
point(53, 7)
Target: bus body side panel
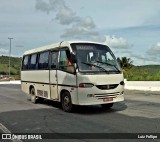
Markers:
point(25, 86)
point(39, 79)
point(67, 81)
point(101, 92)
point(53, 84)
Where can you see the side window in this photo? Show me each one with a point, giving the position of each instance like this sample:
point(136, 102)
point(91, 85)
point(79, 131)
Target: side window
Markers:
point(25, 63)
point(54, 57)
point(43, 60)
point(65, 62)
point(33, 62)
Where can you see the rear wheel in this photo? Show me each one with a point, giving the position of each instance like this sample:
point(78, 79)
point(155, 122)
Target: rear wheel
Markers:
point(40, 100)
point(33, 96)
point(107, 105)
point(66, 102)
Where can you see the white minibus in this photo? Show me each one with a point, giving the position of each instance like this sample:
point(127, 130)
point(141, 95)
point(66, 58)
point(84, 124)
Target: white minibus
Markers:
point(73, 73)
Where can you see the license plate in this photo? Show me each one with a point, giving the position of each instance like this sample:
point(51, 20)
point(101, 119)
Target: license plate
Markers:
point(107, 99)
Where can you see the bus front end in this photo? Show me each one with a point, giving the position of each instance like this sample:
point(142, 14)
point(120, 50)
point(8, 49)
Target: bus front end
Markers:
point(100, 89)
point(99, 76)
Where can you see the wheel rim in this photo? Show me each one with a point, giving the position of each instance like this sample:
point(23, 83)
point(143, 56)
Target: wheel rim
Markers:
point(66, 102)
point(33, 97)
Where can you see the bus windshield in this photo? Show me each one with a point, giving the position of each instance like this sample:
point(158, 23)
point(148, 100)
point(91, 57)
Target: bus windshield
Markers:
point(95, 58)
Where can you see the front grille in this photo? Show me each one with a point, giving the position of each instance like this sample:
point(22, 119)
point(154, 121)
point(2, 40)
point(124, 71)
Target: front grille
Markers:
point(107, 87)
point(103, 96)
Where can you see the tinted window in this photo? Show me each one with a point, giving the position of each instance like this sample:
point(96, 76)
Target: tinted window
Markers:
point(54, 56)
point(43, 60)
point(25, 63)
point(63, 60)
point(33, 64)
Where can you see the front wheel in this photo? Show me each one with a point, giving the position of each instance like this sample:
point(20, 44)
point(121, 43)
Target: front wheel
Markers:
point(107, 105)
point(33, 96)
point(66, 102)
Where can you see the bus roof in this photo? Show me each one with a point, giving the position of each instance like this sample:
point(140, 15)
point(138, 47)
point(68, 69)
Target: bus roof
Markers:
point(56, 45)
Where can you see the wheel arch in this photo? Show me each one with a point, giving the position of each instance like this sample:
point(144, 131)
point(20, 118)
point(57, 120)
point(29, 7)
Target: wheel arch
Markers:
point(30, 88)
point(61, 93)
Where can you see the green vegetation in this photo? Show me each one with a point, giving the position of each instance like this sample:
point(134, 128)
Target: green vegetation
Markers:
point(131, 72)
point(144, 73)
point(139, 73)
point(15, 66)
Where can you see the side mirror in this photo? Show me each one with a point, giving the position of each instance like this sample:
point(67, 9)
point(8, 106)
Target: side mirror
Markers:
point(73, 58)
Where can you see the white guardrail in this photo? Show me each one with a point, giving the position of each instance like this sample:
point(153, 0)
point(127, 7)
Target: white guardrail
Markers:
point(143, 85)
point(11, 82)
point(130, 85)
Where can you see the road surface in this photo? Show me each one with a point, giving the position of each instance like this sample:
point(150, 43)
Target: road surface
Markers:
point(139, 113)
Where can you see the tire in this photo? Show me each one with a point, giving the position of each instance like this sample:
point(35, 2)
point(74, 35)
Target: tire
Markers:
point(66, 102)
point(33, 96)
point(40, 100)
point(107, 105)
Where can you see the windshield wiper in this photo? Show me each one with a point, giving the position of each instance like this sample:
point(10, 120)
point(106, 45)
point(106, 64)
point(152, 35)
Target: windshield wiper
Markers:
point(109, 65)
point(89, 64)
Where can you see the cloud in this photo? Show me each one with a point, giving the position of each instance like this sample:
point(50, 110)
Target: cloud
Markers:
point(52, 5)
point(3, 44)
point(3, 51)
point(117, 43)
point(20, 46)
point(78, 27)
point(154, 52)
point(82, 26)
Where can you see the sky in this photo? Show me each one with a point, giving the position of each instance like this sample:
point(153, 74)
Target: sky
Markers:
point(130, 28)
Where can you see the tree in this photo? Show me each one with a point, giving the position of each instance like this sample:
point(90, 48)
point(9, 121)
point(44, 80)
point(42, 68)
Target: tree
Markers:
point(126, 65)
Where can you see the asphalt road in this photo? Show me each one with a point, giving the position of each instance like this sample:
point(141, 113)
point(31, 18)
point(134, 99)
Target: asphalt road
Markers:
point(139, 113)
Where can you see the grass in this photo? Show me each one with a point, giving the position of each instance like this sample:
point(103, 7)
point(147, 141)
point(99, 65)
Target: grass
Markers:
point(143, 73)
point(14, 66)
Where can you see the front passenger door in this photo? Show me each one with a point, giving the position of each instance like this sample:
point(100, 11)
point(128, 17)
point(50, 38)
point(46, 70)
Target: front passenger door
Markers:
point(53, 75)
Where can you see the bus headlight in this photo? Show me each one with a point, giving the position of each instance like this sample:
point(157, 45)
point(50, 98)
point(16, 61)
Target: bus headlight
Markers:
point(85, 85)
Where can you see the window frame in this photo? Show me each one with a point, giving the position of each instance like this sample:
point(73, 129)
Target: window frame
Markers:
point(36, 63)
point(26, 68)
point(60, 50)
point(48, 66)
point(57, 59)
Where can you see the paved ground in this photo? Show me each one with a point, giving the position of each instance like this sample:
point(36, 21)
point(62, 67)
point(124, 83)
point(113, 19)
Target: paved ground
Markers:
point(139, 113)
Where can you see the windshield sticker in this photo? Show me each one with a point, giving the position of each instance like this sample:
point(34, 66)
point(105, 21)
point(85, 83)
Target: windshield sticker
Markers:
point(85, 47)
